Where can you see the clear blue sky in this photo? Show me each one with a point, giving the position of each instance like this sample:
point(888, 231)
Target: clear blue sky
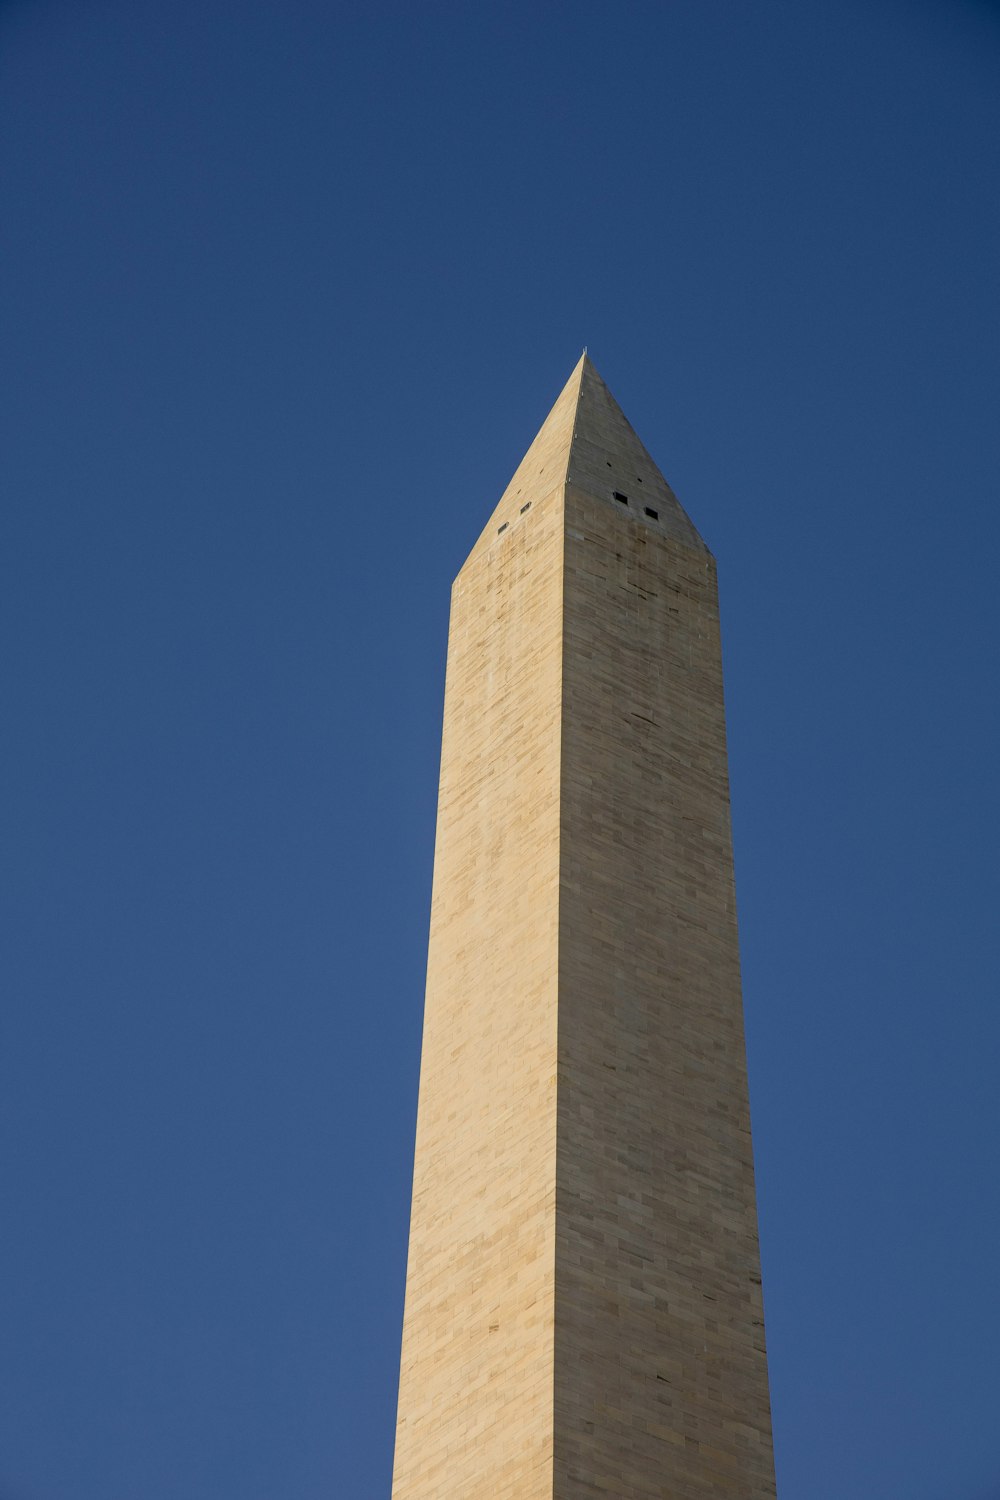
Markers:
point(287, 288)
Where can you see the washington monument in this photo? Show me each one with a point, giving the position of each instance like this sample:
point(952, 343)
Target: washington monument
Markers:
point(584, 1318)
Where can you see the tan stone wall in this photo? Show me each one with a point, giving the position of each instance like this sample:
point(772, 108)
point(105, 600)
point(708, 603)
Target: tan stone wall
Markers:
point(661, 1380)
point(475, 1406)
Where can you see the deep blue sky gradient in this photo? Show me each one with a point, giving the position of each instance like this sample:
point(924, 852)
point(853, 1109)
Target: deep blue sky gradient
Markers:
point(287, 289)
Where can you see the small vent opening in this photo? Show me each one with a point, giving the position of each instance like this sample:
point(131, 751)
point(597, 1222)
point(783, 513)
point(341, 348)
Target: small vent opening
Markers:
point(503, 527)
point(654, 514)
point(622, 499)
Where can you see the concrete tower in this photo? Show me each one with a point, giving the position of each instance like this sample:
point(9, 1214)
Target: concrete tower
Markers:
point(583, 1300)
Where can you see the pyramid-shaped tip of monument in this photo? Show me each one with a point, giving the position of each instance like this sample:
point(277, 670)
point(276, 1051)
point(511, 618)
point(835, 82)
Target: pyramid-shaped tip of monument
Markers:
point(586, 444)
point(607, 459)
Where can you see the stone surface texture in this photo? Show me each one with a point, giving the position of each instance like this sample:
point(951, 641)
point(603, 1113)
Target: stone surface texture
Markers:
point(583, 1302)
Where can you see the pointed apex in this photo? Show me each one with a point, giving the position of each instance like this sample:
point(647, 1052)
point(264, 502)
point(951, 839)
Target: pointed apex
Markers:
point(587, 444)
point(607, 459)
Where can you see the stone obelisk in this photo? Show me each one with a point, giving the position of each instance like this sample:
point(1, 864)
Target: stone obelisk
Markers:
point(583, 1297)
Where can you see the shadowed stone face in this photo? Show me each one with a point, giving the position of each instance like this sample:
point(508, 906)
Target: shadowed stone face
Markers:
point(583, 1305)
